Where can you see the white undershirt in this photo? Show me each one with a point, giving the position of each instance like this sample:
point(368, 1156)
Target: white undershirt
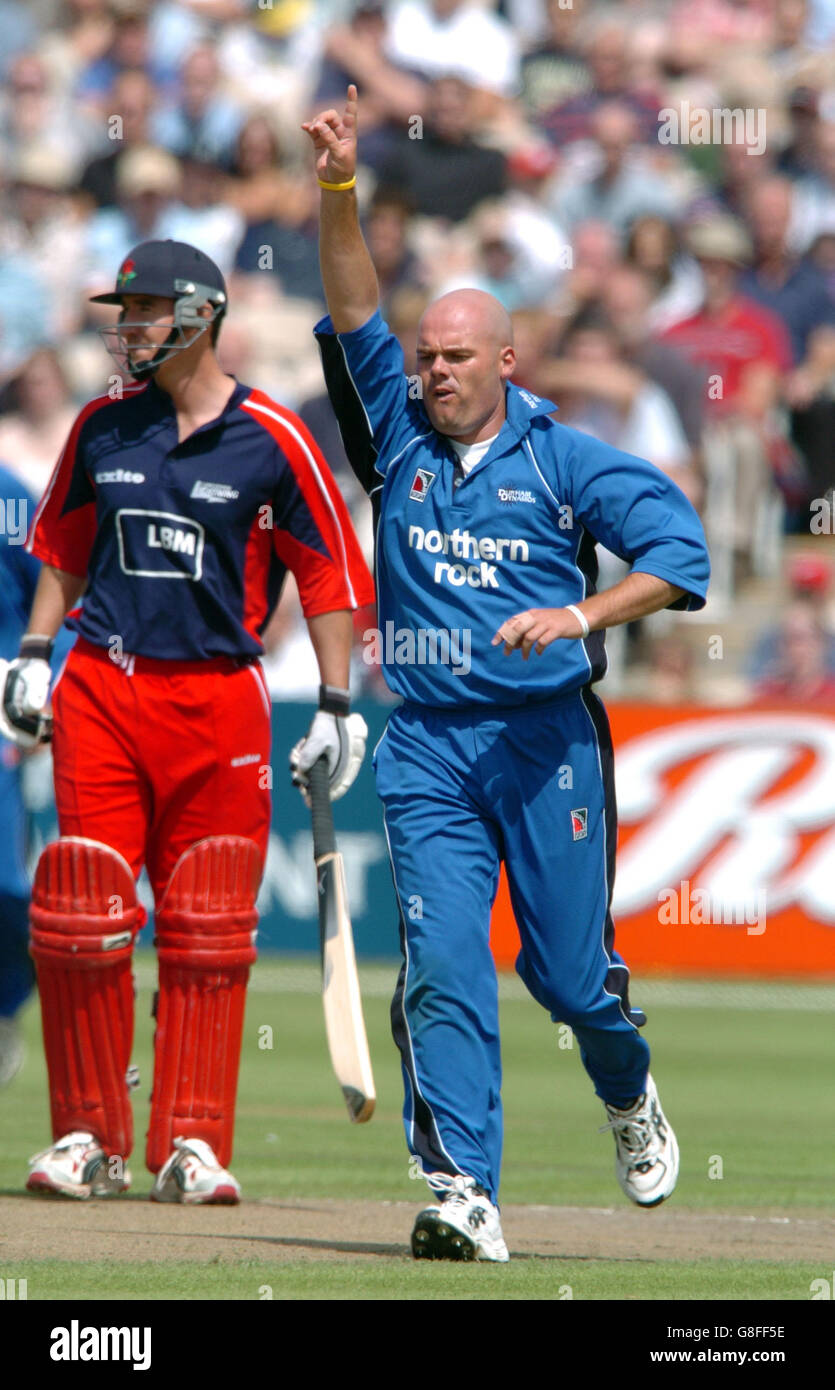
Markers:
point(471, 454)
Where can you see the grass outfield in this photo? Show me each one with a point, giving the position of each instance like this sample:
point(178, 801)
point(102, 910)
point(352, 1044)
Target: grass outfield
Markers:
point(744, 1076)
point(532, 1279)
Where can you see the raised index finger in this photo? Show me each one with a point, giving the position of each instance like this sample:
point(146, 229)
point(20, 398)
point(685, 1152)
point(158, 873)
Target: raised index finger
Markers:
point(350, 116)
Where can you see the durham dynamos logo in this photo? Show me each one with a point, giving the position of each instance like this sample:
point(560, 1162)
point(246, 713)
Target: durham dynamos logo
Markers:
point(744, 804)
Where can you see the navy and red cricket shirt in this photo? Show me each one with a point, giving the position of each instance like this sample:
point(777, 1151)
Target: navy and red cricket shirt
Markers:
point(186, 545)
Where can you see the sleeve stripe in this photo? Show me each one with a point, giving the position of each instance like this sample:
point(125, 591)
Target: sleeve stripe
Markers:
point(250, 404)
point(349, 374)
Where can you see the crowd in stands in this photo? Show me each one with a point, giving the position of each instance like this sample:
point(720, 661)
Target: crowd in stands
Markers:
point(648, 186)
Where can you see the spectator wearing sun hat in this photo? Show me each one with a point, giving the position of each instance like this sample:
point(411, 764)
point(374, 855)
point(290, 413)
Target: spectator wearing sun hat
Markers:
point(147, 183)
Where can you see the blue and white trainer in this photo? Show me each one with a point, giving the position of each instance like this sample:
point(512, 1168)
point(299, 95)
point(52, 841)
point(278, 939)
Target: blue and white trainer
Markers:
point(646, 1159)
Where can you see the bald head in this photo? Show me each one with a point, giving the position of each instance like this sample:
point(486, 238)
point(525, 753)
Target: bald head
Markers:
point(473, 312)
point(464, 358)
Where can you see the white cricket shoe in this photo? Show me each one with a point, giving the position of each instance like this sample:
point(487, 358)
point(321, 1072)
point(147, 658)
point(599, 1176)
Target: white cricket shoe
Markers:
point(11, 1050)
point(77, 1166)
point(646, 1161)
point(193, 1175)
point(464, 1227)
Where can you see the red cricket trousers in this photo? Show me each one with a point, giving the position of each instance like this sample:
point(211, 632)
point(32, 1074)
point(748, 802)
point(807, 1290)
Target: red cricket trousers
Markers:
point(151, 756)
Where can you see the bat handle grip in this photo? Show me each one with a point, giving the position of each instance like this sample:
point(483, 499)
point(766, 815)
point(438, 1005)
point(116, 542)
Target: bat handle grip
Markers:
point(324, 839)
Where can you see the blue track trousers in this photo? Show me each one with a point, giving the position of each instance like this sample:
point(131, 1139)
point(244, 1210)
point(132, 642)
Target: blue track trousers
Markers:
point(462, 790)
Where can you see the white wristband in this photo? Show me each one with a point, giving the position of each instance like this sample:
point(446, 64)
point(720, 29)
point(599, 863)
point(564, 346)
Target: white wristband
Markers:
point(581, 618)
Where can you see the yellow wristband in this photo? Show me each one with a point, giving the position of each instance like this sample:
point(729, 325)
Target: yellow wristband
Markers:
point(337, 187)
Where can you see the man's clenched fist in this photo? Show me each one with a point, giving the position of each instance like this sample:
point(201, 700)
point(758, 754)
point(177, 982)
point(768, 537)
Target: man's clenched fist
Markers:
point(24, 690)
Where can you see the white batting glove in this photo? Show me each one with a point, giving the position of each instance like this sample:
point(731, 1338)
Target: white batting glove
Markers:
point(24, 691)
point(340, 736)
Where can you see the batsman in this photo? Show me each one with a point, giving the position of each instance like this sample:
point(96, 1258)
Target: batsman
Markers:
point(489, 511)
point(180, 501)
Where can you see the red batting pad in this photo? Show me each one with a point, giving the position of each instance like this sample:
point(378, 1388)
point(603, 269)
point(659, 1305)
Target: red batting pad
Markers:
point(205, 935)
point(84, 917)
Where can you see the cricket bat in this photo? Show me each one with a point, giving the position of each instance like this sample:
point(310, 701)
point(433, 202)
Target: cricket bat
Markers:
point(344, 1022)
